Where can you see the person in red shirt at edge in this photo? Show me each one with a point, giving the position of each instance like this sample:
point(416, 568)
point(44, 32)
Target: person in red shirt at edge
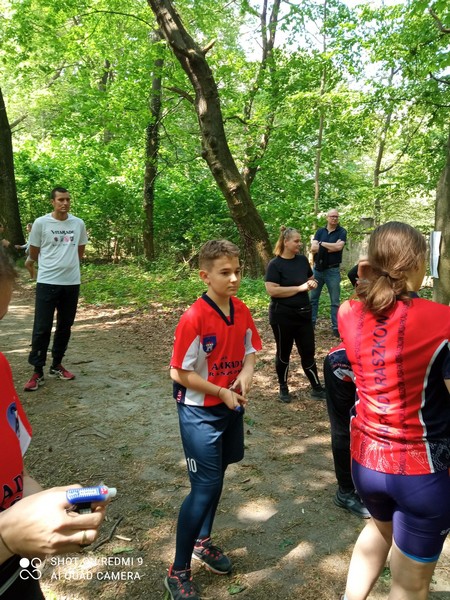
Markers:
point(212, 368)
point(34, 523)
point(398, 347)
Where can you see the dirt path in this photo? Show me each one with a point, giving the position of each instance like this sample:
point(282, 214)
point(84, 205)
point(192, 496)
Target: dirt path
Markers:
point(117, 423)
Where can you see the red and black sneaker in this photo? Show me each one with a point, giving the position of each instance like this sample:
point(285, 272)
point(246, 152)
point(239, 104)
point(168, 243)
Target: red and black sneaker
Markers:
point(180, 586)
point(212, 557)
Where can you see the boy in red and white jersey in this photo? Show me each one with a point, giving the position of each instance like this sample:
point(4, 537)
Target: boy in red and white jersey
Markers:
point(212, 368)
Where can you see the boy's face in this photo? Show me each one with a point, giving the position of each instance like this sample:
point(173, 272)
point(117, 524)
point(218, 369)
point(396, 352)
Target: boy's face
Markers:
point(223, 277)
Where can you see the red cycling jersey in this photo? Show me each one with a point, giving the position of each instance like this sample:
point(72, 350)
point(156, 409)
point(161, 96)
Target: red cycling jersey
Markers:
point(402, 414)
point(15, 436)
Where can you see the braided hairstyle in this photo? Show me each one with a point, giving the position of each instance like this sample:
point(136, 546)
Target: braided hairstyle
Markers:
point(395, 250)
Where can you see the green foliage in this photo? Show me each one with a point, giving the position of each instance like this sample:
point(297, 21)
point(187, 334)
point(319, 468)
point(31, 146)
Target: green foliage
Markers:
point(81, 75)
point(141, 285)
point(128, 284)
point(166, 285)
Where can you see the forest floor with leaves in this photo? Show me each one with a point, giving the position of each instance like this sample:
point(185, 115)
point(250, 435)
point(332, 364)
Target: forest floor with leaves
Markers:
point(117, 423)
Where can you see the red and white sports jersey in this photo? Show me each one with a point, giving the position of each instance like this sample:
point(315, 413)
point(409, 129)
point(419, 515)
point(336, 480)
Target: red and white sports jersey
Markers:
point(402, 414)
point(15, 437)
point(212, 345)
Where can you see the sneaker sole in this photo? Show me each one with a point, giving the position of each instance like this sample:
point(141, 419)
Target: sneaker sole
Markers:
point(166, 585)
point(56, 376)
point(210, 568)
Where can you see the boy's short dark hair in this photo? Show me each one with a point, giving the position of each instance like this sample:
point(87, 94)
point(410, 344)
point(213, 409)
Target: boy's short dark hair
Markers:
point(215, 249)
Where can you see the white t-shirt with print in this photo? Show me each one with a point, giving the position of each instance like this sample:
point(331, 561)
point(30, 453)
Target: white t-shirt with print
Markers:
point(58, 242)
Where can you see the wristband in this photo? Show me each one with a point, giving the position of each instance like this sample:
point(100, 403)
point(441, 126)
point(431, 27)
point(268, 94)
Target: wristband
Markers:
point(218, 393)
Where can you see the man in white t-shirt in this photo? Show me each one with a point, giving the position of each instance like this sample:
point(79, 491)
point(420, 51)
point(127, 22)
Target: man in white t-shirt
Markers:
point(58, 240)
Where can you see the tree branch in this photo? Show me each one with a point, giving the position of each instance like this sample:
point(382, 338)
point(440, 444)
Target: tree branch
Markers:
point(236, 118)
point(439, 23)
point(181, 93)
point(208, 47)
point(405, 149)
point(115, 12)
point(18, 121)
point(440, 80)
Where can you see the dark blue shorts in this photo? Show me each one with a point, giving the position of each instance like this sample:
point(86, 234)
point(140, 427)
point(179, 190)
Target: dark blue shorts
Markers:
point(213, 438)
point(417, 505)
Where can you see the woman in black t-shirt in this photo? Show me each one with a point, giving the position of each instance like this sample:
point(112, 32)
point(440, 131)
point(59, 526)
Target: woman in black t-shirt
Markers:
point(289, 278)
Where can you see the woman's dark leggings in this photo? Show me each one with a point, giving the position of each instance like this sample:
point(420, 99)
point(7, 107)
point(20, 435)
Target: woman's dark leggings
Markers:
point(302, 333)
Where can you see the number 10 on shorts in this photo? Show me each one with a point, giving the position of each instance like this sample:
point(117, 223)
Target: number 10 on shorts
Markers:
point(191, 465)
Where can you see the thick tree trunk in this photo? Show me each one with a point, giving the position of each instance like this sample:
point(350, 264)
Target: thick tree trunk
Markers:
point(151, 158)
point(216, 152)
point(9, 207)
point(441, 289)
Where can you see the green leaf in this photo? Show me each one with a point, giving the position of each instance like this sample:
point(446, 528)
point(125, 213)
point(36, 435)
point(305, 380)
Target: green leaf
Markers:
point(286, 543)
point(236, 588)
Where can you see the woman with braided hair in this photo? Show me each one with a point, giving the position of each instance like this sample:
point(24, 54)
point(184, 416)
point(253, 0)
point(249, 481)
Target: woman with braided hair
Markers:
point(398, 347)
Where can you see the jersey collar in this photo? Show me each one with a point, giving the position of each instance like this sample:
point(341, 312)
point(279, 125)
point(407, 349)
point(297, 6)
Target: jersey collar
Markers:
point(213, 305)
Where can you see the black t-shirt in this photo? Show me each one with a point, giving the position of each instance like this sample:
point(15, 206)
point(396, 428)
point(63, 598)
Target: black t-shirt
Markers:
point(288, 272)
point(329, 259)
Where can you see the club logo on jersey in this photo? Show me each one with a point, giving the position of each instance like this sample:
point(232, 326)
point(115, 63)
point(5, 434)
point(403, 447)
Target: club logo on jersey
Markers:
point(13, 418)
point(209, 343)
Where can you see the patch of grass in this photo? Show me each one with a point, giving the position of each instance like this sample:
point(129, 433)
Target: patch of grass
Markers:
point(141, 285)
point(125, 452)
point(129, 284)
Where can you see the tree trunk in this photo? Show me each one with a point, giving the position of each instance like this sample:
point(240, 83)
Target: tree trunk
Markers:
point(151, 156)
point(380, 154)
point(107, 75)
point(9, 207)
point(323, 83)
point(254, 153)
point(216, 152)
point(441, 286)
point(377, 169)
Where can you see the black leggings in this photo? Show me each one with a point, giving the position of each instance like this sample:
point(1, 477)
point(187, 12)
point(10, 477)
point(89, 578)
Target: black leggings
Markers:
point(302, 333)
point(195, 520)
point(340, 400)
